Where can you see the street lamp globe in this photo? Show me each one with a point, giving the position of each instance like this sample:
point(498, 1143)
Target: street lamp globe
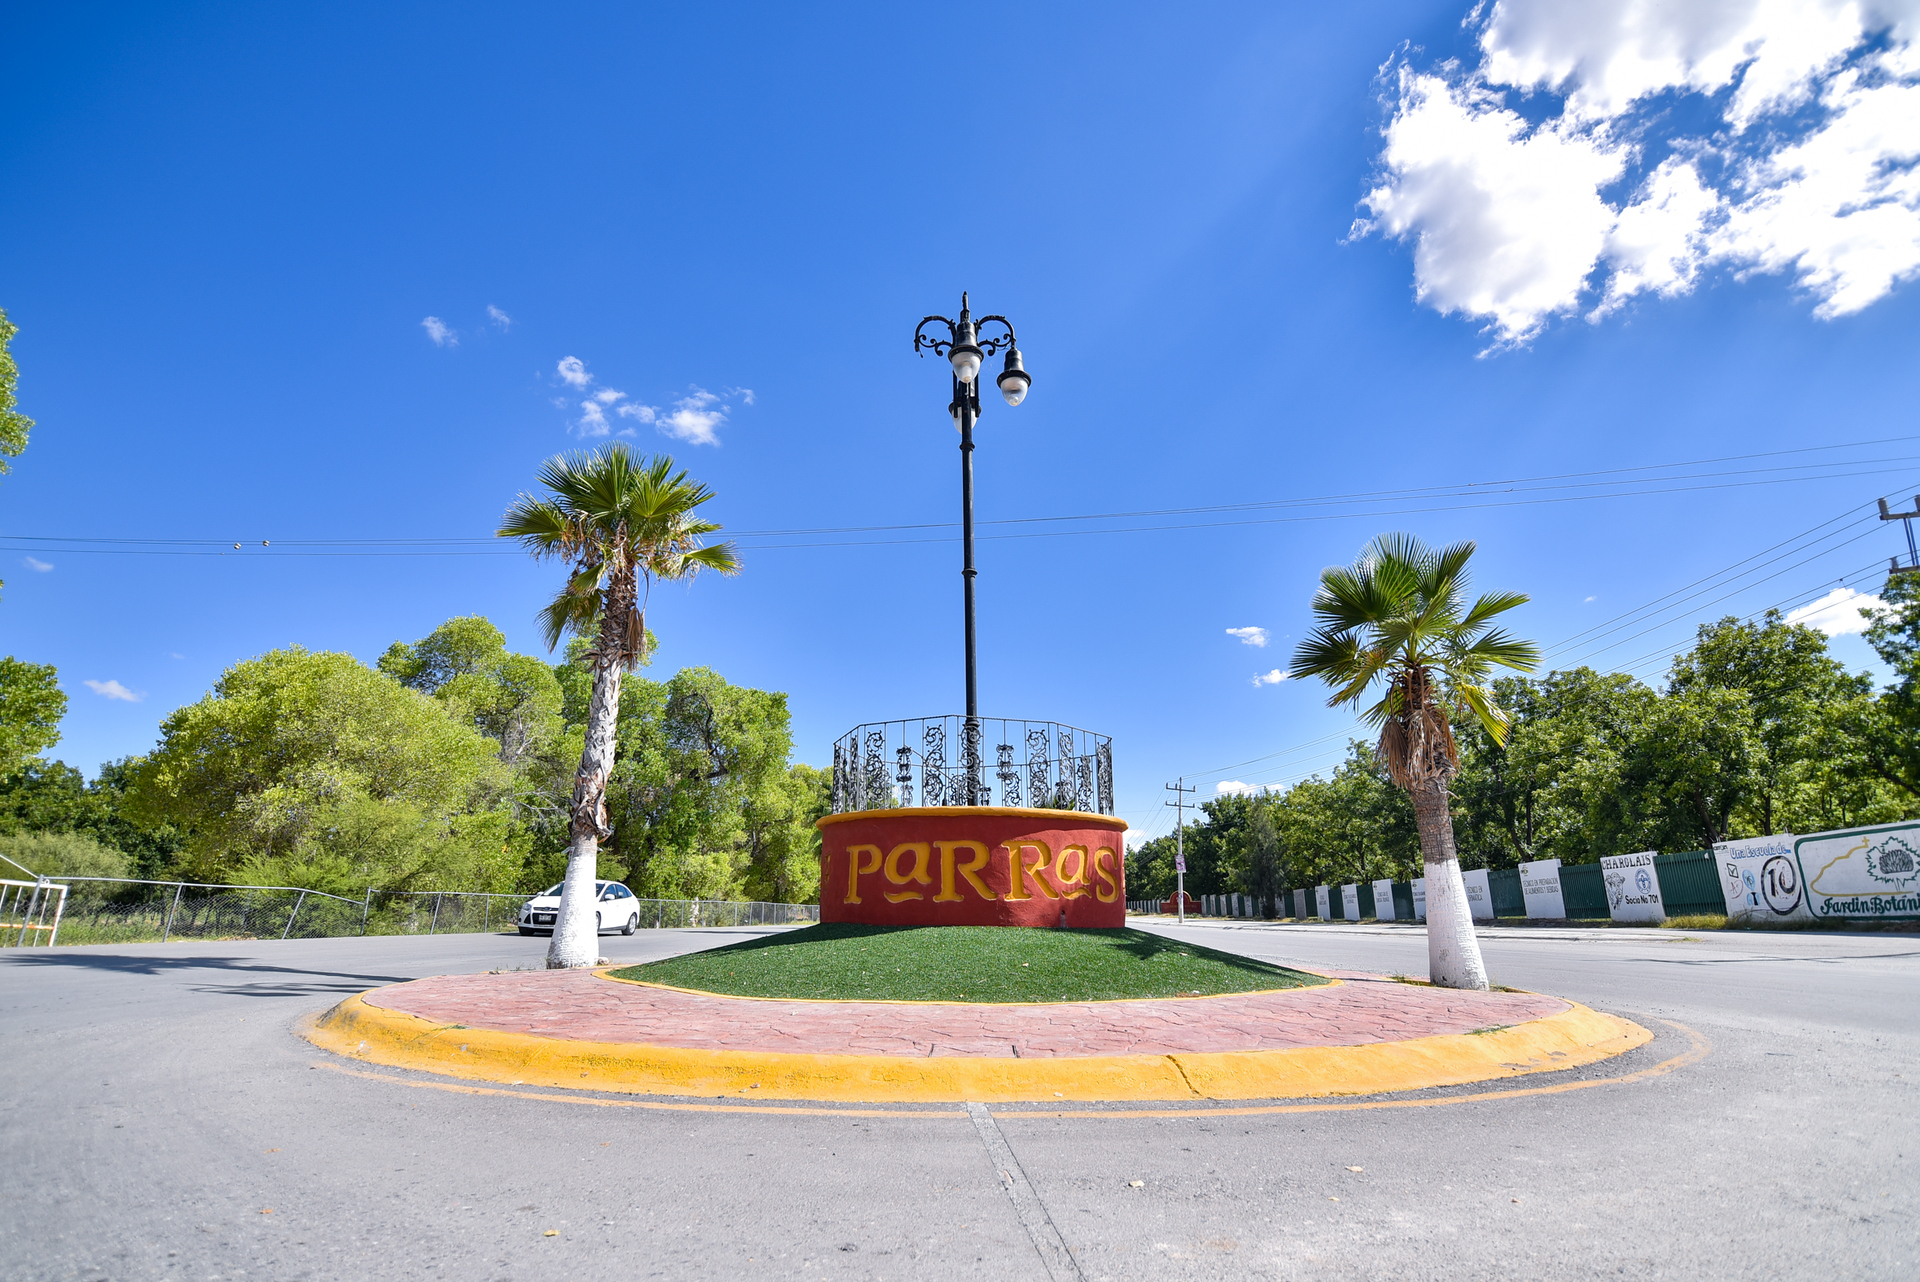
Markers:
point(966, 361)
point(1013, 379)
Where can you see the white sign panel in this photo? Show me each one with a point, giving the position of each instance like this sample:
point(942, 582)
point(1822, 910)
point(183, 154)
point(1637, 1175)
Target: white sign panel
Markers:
point(1633, 888)
point(1419, 898)
point(1862, 872)
point(1540, 883)
point(1761, 880)
point(1383, 900)
point(1320, 901)
point(1350, 901)
point(1479, 894)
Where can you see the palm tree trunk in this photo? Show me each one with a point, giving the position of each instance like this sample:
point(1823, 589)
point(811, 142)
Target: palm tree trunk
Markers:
point(576, 939)
point(1453, 951)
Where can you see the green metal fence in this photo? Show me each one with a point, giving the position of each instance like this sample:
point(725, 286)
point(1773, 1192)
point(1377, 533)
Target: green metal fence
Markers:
point(1508, 898)
point(1690, 883)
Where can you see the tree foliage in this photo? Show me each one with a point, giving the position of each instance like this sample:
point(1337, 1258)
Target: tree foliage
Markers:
point(31, 705)
point(310, 768)
point(13, 424)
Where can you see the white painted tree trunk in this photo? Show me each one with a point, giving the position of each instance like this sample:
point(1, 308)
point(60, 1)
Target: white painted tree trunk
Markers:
point(1453, 950)
point(576, 939)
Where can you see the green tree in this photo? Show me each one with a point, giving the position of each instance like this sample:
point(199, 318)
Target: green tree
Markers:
point(1398, 618)
point(1266, 872)
point(1887, 731)
point(53, 797)
point(782, 844)
point(61, 854)
point(513, 699)
point(300, 766)
point(1795, 692)
point(1530, 795)
point(700, 762)
point(13, 424)
point(622, 523)
point(1354, 826)
point(31, 705)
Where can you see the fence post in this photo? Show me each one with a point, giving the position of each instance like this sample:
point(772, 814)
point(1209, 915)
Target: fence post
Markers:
point(434, 925)
point(486, 914)
point(295, 913)
point(172, 908)
point(364, 905)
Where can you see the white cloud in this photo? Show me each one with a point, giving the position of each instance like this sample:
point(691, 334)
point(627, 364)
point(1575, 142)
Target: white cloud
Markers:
point(695, 417)
point(499, 317)
point(112, 690)
point(593, 420)
point(1233, 788)
point(1838, 612)
point(692, 421)
point(1249, 636)
point(34, 563)
point(439, 332)
point(1273, 678)
point(1802, 162)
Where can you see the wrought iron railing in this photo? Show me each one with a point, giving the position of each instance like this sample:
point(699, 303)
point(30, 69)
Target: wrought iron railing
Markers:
point(947, 761)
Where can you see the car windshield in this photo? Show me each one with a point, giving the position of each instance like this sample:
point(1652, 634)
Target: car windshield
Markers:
point(553, 891)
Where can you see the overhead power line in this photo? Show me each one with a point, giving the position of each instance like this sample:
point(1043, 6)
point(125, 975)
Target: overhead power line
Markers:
point(1639, 481)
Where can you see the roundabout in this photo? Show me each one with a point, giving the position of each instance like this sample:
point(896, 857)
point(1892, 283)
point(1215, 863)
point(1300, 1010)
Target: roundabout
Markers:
point(1297, 1035)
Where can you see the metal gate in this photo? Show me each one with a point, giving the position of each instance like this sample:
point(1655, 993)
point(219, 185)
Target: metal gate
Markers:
point(30, 912)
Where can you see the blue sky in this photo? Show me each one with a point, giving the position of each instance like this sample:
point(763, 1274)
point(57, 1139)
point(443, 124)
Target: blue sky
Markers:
point(1257, 254)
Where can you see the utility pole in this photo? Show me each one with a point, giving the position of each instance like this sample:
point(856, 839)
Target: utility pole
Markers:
point(1179, 804)
point(1913, 555)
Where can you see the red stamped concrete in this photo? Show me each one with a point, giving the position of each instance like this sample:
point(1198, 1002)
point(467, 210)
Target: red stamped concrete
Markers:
point(582, 1006)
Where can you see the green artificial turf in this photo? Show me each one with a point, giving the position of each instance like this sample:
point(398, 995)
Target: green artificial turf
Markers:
point(844, 962)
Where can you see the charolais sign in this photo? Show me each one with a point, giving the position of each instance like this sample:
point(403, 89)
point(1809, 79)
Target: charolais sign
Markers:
point(1862, 872)
point(1633, 888)
point(972, 866)
point(1761, 880)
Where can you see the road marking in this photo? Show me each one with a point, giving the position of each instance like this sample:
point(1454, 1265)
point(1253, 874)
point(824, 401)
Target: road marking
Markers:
point(462, 1089)
point(1054, 1253)
point(1698, 1051)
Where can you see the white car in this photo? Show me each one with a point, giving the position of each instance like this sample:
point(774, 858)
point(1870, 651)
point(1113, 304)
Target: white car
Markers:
point(617, 910)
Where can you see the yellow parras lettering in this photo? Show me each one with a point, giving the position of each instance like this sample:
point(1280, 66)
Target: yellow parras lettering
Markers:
point(1073, 883)
point(854, 869)
point(918, 873)
point(949, 893)
point(1018, 870)
point(1109, 889)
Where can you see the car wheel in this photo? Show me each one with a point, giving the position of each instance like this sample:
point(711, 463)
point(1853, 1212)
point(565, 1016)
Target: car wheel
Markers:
point(633, 924)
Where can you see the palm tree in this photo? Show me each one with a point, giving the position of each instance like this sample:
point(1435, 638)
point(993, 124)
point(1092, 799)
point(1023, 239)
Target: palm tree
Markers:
point(622, 522)
point(1399, 616)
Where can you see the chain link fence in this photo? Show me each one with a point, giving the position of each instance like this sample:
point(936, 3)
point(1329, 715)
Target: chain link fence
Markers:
point(111, 910)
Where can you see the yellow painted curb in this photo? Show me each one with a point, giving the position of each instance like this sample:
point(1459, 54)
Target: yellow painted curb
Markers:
point(607, 973)
point(360, 1030)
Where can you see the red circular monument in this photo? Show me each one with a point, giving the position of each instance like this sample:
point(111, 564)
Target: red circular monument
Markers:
point(956, 859)
point(973, 866)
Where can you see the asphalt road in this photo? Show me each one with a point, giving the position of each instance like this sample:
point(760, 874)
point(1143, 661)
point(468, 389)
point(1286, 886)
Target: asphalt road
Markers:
point(162, 1120)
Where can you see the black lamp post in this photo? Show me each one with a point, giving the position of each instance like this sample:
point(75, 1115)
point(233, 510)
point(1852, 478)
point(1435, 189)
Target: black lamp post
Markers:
point(965, 347)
